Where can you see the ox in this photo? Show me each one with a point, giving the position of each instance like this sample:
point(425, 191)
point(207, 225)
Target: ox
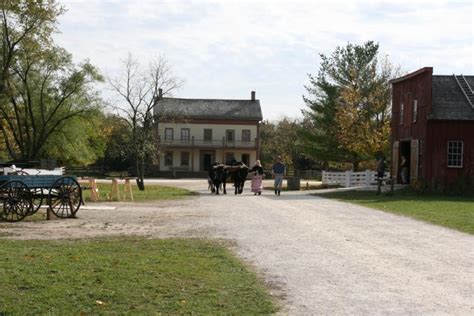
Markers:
point(217, 177)
point(238, 173)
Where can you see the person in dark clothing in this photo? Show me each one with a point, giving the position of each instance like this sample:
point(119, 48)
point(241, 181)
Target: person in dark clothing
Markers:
point(381, 167)
point(404, 170)
point(278, 172)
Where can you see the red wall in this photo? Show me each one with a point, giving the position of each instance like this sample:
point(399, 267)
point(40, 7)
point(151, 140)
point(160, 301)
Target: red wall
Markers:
point(438, 135)
point(414, 86)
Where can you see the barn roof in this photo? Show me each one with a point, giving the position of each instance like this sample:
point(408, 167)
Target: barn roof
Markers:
point(449, 102)
point(209, 109)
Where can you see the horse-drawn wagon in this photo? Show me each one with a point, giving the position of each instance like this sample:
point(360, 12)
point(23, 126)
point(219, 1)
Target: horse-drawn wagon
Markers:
point(22, 195)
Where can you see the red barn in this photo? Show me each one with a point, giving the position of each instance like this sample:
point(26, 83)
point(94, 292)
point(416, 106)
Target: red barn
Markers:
point(433, 127)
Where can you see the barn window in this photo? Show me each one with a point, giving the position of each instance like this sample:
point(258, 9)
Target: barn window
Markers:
point(184, 159)
point(415, 111)
point(401, 113)
point(168, 134)
point(455, 152)
point(169, 158)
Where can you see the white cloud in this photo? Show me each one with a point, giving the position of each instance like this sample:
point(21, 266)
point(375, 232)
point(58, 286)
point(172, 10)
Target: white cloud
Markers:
point(224, 49)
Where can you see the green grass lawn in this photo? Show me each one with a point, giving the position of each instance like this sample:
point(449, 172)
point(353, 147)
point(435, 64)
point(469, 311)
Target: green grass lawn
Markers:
point(448, 211)
point(151, 193)
point(127, 275)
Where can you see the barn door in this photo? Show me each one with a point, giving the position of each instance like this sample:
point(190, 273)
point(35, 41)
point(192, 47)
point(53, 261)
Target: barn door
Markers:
point(395, 155)
point(414, 160)
point(472, 165)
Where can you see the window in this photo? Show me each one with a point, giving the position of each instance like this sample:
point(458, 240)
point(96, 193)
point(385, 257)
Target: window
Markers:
point(229, 158)
point(168, 134)
point(169, 158)
point(185, 135)
point(455, 151)
point(246, 135)
point(184, 159)
point(401, 113)
point(246, 159)
point(414, 111)
point(207, 135)
point(230, 135)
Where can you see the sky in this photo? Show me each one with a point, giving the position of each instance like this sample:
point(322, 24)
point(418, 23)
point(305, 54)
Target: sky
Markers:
point(224, 49)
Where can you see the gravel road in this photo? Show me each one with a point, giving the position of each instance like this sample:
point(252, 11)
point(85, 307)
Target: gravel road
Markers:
point(319, 256)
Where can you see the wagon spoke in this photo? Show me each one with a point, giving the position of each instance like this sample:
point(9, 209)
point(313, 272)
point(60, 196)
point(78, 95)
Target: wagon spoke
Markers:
point(65, 197)
point(37, 200)
point(17, 201)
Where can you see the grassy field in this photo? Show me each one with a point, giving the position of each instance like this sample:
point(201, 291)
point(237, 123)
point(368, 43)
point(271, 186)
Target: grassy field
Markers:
point(448, 211)
point(151, 192)
point(127, 275)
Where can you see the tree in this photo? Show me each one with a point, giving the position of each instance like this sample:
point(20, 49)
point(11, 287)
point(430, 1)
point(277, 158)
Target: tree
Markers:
point(26, 25)
point(44, 93)
point(281, 139)
point(320, 138)
point(82, 142)
point(350, 107)
point(139, 91)
point(118, 155)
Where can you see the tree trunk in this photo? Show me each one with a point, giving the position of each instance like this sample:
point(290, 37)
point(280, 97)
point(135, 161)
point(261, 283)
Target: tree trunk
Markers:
point(140, 174)
point(355, 166)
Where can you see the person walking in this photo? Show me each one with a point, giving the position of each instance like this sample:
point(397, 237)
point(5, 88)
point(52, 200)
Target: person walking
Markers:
point(380, 173)
point(381, 167)
point(257, 176)
point(404, 171)
point(278, 171)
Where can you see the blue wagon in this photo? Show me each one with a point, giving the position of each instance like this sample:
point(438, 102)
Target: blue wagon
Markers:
point(23, 195)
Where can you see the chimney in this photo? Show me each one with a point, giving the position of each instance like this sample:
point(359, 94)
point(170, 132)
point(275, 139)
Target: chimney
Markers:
point(160, 93)
point(252, 95)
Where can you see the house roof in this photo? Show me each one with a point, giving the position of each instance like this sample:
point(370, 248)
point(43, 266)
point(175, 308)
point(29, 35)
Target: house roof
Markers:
point(448, 100)
point(209, 109)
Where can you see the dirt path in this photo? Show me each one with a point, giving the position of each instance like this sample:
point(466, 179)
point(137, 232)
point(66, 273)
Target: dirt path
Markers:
point(326, 257)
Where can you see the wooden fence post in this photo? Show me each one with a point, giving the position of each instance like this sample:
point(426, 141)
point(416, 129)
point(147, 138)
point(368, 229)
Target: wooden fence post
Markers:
point(94, 191)
point(114, 194)
point(127, 190)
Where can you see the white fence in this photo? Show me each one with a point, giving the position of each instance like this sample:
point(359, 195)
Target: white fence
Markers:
point(351, 179)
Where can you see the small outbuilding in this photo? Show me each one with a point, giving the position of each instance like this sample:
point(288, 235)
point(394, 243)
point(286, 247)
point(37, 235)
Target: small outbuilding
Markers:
point(433, 127)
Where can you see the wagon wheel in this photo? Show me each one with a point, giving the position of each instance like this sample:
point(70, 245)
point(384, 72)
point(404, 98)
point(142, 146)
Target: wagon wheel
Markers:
point(36, 200)
point(65, 197)
point(15, 201)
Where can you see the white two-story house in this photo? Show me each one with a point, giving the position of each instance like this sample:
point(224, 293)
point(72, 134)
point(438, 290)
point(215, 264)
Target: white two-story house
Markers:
point(192, 134)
